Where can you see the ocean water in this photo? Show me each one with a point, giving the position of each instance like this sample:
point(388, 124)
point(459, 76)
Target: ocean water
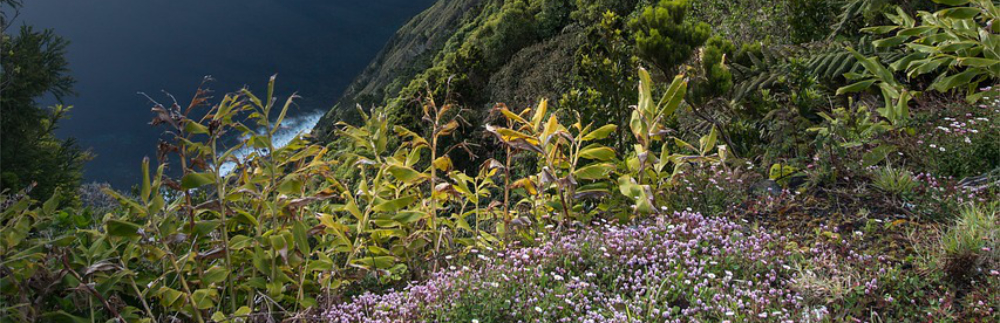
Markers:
point(122, 47)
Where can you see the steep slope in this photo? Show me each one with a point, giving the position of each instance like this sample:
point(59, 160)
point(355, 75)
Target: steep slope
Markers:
point(476, 53)
point(410, 51)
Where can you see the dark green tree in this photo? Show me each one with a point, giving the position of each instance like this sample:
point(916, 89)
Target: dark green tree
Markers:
point(715, 79)
point(34, 65)
point(664, 38)
point(606, 77)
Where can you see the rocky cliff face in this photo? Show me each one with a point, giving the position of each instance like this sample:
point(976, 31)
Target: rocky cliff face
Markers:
point(410, 51)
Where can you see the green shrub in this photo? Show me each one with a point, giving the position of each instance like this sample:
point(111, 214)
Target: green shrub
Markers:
point(810, 20)
point(746, 21)
point(970, 246)
point(664, 37)
point(896, 181)
point(958, 45)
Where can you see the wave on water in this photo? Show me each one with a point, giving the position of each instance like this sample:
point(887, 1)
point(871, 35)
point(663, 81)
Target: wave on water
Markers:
point(291, 128)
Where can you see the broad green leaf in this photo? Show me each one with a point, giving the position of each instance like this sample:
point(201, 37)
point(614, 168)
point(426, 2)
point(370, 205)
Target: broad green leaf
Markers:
point(595, 171)
point(960, 12)
point(246, 218)
point(978, 62)
point(891, 41)
point(684, 144)
point(461, 223)
point(52, 204)
point(872, 65)
point(119, 228)
point(204, 298)
point(407, 217)
point(916, 31)
point(291, 185)
point(957, 46)
point(169, 297)
point(195, 128)
point(215, 274)
point(299, 233)
point(951, 82)
point(205, 227)
point(406, 174)
point(600, 133)
point(904, 63)
point(395, 205)
point(645, 92)
point(239, 242)
point(708, 142)
point(195, 180)
point(856, 87)
point(636, 125)
point(59, 316)
point(674, 96)
point(352, 208)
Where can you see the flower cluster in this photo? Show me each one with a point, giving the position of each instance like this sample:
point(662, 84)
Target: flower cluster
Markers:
point(686, 267)
point(939, 197)
point(972, 132)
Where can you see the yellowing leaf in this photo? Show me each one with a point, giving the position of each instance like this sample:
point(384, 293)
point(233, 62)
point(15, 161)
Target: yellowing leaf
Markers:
point(443, 163)
point(598, 153)
point(527, 184)
point(510, 115)
point(600, 133)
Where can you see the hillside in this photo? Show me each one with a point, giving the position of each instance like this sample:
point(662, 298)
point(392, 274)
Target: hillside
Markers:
point(490, 51)
point(410, 51)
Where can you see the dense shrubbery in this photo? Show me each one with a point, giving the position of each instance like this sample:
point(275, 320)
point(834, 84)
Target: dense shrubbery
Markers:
point(765, 182)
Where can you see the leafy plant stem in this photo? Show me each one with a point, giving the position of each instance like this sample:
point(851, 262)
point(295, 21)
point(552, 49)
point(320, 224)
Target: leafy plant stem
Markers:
point(221, 193)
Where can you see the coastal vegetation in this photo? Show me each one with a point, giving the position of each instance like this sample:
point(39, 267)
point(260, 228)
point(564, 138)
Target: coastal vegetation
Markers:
point(729, 161)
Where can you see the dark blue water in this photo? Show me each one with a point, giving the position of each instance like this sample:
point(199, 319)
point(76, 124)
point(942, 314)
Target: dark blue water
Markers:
point(121, 47)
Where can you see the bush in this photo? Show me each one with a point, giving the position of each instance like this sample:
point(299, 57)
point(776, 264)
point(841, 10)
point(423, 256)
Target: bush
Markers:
point(810, 20)
point(895, 181)
point(664, 37)
point(970, 246)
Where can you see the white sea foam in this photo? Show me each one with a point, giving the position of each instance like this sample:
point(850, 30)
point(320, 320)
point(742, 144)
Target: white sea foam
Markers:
point(291, 128)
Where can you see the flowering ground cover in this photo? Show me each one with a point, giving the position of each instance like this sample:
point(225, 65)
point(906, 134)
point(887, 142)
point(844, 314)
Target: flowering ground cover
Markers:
point(686, 267)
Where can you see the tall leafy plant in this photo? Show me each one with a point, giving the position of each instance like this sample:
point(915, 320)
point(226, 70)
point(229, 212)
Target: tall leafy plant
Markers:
point(647, 173)
point(566, 155)
point(958, 45)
